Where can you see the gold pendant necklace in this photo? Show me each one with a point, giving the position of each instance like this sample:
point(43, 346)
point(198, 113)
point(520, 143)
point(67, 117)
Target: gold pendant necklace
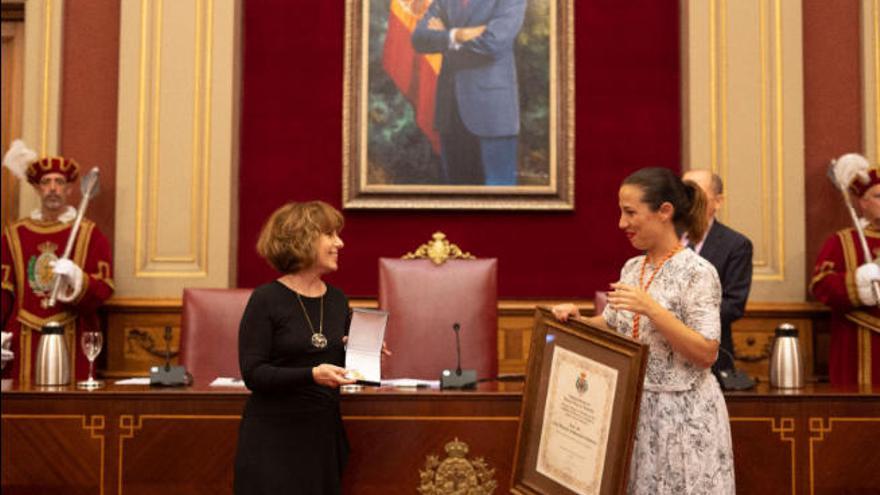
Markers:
point(319, 341)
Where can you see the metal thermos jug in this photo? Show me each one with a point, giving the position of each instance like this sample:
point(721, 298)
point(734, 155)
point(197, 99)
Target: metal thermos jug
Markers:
point(786, 360)
point(53, 361)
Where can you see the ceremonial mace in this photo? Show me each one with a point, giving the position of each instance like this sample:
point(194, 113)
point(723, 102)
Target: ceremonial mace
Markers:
point(89, 186)
point(875, 285)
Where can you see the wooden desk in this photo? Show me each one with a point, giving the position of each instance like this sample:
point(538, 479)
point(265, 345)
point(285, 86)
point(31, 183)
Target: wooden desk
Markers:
point(817, 440)
point(136, 440)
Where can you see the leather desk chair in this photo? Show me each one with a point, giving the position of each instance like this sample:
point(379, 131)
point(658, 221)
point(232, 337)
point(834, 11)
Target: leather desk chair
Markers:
point(600, 302)
point(209, 332)
point(425, 297)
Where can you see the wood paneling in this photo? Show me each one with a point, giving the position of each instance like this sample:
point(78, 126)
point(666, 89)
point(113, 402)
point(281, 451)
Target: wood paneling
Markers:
point(135, 329)
point(743, 87)
point(783, 440)
point(53, 453)
point(815, 441)
point(11, 100)
point(136, 334)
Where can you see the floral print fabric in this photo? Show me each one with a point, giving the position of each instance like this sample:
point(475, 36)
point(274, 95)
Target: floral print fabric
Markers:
point(683, 443)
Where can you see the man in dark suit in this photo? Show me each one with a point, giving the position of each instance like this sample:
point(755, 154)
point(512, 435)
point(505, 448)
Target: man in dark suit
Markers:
point(731, 254)
point(477, 101)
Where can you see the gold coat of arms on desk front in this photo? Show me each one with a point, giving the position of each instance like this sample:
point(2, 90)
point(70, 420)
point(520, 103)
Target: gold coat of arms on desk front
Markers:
point(456, 475)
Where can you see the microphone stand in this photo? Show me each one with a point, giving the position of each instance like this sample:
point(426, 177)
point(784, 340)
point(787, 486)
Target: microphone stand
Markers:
point(458, 378)
point(456, 328)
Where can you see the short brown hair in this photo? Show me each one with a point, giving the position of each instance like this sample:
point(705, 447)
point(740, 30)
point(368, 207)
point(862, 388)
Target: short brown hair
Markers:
point(287, 241)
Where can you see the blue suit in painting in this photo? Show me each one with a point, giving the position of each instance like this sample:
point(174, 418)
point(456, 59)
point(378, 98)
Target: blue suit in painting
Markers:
point(477, 101)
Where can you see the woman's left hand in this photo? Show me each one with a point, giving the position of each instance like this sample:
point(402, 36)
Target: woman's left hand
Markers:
point(630, 298)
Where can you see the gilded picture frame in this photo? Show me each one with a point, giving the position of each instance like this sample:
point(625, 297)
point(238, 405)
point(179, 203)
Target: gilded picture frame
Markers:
point(401, 137)
point(625, 359)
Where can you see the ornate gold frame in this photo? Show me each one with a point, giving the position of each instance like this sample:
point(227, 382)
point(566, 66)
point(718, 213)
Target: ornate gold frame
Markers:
point(557, 195)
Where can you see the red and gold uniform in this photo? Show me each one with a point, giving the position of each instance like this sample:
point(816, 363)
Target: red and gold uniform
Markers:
point(28, 247)
point(834, 284)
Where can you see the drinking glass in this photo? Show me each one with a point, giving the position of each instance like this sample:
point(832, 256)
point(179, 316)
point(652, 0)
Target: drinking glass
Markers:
point(91, 342)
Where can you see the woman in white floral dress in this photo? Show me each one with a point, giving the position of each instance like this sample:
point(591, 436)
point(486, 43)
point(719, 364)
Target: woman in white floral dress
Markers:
point(669, 298)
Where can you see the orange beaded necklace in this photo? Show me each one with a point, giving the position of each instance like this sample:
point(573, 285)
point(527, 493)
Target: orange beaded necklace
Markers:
point(637, 317)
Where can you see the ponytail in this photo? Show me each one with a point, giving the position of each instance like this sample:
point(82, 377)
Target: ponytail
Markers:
point(660, 185)
point(694, 218)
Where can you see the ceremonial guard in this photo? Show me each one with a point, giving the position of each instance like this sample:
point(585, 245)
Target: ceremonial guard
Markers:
point(843, 276)
point(32, 258)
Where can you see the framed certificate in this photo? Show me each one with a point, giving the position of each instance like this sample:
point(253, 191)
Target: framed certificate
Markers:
point(580, 409)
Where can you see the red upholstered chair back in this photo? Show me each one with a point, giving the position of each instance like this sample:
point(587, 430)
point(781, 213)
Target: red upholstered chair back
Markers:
point(209, 332)
point(424, 301)
point(600, 301)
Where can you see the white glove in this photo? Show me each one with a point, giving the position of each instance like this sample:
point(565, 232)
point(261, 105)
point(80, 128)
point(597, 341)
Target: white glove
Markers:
point(71, 279)
point(8, 355)
point(865, 276)
point(850, 167)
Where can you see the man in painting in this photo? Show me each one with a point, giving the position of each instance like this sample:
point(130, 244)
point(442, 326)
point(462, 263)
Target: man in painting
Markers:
point(477, 100)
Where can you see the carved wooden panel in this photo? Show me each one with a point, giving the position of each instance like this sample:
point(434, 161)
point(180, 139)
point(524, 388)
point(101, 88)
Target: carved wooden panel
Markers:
point(391, 453)
point(165, 453)
point(135, 330)
point(753, 341)
point(843, 454)
point(52, 453)
point(771, 440)
point(514, 339)
point(136, 337)
point(138, 440)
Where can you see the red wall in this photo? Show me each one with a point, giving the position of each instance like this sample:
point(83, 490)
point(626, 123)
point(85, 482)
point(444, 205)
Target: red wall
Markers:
point(832, 112)
point(90, 78)
point(628, 116)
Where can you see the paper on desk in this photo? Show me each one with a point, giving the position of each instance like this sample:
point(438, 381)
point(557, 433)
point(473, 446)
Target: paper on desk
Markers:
point(363, 355)
point(225, 381)
point(141, 380)
point(410, 383)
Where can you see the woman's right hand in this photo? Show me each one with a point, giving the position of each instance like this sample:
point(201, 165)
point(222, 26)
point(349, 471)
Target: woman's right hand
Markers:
point(329, 375)
point(563, 312)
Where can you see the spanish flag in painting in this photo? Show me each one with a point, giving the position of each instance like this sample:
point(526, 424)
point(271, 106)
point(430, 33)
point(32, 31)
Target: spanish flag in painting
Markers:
point(414, 74)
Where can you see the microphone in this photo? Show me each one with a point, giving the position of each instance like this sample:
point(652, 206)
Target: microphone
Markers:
point(732, 379)
point(456, 328)
point(167, 349)
point(169, 376)
point(458, 378)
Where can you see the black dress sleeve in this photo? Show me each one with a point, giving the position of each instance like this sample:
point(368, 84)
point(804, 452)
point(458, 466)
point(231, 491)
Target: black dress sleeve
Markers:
point(348, 315)
point(255, 350)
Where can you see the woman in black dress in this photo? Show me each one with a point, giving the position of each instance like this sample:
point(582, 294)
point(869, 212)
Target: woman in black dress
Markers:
point(291, 355)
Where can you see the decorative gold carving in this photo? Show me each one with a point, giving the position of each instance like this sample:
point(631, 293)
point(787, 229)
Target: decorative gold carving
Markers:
point(438, 250)
point(456, 475)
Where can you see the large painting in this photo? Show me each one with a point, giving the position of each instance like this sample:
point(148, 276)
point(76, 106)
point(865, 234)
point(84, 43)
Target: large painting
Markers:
point(459, 104)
